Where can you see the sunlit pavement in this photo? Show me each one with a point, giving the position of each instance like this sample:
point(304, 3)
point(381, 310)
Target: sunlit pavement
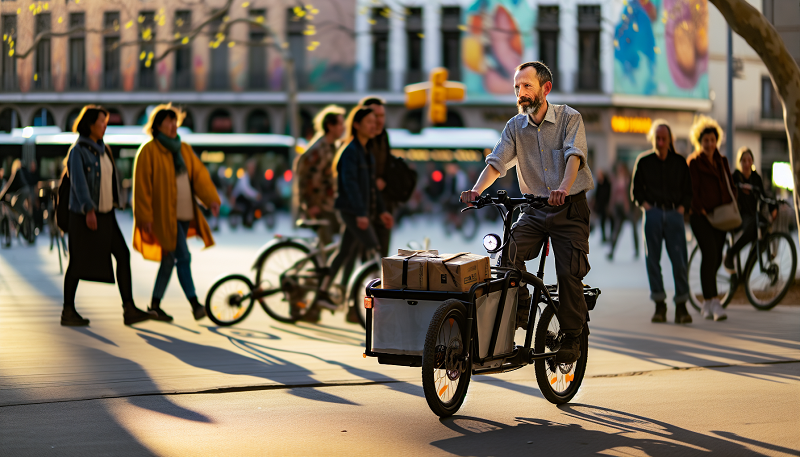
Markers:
point(80, 390)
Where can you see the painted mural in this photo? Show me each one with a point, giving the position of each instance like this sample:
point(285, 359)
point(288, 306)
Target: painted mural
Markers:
point(661, 48)
point(497, 35)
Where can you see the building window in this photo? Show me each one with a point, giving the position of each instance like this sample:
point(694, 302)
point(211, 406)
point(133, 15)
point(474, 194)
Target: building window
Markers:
point(257, 53)
point(219, 60)
point(220, 121)
point(111, 58)
point(548, 39)
point(42, 118)
point(771, 107)
point(451, 42)
point(71, 117)
point(414, 50)
point(183, 55)
point(9, 62)
point(9, 119)
point(77, 52)
point(258, 122)
point(589, 48)
point(295, 26)
point(147, 32)
point(379, 78)
point(41, 70)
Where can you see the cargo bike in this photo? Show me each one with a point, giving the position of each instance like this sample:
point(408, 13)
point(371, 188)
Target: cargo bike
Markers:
point(454, 335)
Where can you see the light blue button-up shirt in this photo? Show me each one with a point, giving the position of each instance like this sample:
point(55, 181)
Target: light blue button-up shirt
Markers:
point(540, 153)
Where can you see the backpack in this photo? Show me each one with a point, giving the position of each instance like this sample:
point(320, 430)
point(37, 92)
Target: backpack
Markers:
point(62, 203)
point(400, 179)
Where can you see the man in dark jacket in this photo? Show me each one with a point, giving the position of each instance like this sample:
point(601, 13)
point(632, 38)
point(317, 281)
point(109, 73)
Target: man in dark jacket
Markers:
point(662, 187)
point(380, 150)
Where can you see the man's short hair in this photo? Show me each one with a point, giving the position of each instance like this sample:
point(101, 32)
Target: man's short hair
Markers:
point(543, 73)
point(370, 100)
point(327, 117)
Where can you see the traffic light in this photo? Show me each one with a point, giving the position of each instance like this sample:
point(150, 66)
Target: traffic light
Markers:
point(437, 107)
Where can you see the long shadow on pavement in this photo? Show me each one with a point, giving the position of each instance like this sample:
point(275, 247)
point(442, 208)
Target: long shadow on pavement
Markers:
point(480, 437)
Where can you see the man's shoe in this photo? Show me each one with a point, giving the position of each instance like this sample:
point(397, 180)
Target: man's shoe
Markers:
point(570, 349)
point(718, 311)
point(71, 318)
point(158, 313)
point(133, 315)
point(681, 315)
point(352, 316)
point(661, 312)
point(198, 310)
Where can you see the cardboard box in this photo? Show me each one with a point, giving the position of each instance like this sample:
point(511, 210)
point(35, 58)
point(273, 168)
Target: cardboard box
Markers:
point(415, 264)
point(457, 272)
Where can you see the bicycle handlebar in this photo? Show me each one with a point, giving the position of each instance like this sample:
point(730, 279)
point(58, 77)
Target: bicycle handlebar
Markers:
point(759, 193)
point(503, 199)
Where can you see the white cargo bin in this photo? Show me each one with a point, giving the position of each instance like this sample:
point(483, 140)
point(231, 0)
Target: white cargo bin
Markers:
point(400, 326)
point(487, 313)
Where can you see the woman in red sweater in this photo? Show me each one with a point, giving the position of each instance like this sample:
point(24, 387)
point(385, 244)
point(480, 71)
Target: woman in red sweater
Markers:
point(711, 177)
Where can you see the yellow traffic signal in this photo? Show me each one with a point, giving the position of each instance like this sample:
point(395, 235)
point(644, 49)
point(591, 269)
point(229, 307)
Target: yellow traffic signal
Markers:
point(436, 92)
point(437, 107)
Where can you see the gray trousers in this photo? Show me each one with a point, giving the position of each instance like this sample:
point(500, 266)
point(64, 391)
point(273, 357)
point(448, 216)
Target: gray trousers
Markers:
point(567, 226)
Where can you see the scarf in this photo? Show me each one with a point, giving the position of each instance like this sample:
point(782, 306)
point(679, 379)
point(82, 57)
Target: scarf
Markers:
point(173, 145)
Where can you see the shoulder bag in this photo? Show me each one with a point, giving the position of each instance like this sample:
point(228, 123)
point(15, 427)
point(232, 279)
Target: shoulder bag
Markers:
point(726, 217)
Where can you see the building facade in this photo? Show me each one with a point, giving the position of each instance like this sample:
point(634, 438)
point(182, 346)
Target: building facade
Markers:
point(227, 82)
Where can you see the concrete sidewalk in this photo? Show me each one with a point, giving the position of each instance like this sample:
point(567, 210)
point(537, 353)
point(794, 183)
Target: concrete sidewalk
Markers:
point(40, 361)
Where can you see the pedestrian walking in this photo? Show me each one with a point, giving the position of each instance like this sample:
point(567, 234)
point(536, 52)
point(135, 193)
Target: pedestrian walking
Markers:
point(313, 170)
point(246, 198)
point(168, 179)
point(558, 171)
point(748, 183)
point(357, 200)
point(711, 189)
point(662, 188)
point(620, 204)
point(380, 149)
point(602, 198)
point(94, 235)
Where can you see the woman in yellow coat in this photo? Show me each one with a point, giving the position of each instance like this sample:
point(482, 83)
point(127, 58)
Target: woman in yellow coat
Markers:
point(168, 179)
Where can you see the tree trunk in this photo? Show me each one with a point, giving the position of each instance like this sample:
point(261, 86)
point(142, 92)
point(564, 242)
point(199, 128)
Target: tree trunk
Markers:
point(765, 40)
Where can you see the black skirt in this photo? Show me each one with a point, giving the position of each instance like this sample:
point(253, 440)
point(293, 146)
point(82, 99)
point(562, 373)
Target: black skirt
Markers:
point(90, 250)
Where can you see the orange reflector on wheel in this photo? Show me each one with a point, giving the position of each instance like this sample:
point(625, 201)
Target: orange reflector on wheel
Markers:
point(569, 377)
point(300, 304)
point(367, 302)
point(553, 381)
point(441, 391)
point(451, 320)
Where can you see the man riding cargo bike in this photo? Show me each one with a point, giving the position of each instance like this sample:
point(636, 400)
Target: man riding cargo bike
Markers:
point(472, 328)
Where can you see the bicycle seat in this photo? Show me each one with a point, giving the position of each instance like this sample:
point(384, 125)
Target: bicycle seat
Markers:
point(312, 224)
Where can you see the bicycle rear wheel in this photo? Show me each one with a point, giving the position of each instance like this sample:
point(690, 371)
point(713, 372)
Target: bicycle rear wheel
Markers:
point(558, 382)
point(766, 287)
point(230, 300)
point(726, 283)
point(287, 266)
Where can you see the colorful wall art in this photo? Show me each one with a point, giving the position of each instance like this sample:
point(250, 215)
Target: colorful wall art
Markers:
point(661, 48)
point(497, 34)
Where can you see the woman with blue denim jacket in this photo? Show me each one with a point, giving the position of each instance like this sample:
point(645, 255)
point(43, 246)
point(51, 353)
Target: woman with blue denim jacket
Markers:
point(94, 235)
point(357, 200)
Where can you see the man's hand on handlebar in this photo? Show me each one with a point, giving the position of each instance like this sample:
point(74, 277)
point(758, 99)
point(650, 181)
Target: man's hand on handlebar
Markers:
point(557, 197)
point(469, 196)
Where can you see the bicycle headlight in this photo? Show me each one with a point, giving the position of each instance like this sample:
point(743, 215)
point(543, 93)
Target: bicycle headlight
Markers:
point(492, 243)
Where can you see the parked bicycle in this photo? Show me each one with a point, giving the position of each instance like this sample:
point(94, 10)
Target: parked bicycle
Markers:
point(288, 273)
point(473, 332)
point(48, 198)
point(16, 220)
point(767, 273)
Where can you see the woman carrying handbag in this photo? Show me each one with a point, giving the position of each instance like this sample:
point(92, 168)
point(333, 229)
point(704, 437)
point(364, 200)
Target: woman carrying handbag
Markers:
point(714, 207)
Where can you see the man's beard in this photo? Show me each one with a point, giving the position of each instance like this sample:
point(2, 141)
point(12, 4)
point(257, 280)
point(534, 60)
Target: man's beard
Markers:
point(527, 106)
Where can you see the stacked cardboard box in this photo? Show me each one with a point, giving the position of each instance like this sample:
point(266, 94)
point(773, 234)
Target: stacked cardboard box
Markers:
point(429, 270)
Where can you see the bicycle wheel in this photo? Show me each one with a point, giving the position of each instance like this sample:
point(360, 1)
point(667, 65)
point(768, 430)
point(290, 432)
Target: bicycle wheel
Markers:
point(446, 365)
point(359, 290)
point(558, 382)
point(766, 287)
point(28, 230)
point(726, 283)
point(287, 266)
point(230, 300)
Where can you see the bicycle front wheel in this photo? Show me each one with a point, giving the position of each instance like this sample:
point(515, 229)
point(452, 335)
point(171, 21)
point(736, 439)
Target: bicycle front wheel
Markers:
point(726, 283)
point(558, 382)
point(772, 272)
point(287, 267)
point(230, 300)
